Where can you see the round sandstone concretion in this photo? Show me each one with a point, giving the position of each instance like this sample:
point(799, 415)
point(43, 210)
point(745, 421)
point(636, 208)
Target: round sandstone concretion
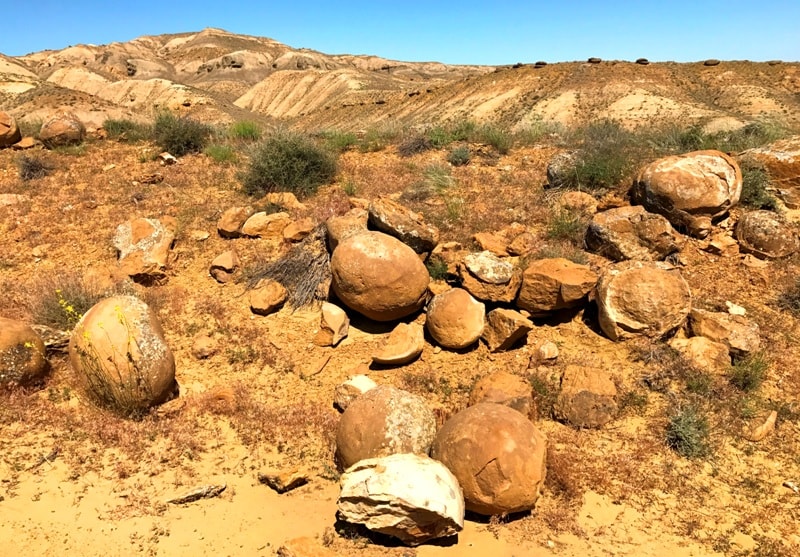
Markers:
point(455, 319)
point(384, 421)
point(22, 354)
point(62, 129)
point(378, 276)
point(119, 352)
point(498, 456)
point(765, 235)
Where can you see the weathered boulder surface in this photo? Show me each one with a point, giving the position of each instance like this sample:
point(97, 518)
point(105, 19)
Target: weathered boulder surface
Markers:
point(504, 328)
point(497, 455)
point(224, 265)
point(638, 298)
point(782, 162)
point(490, 278)
point(404, 345)
point(144, 247)
point(22, 354)
point(554, 284)
point(690, 189)
point(62, 129)
point(351, 389)
point(588, 397)
point(704, 353)
point(266, 225)
point(384, 421)
point(119, 353)
point(379, 276)
point(343, 226)
point(738, 333)
point(560, 168)
point(502, 387)
point(411, 497)
point(766, 235)
point(455, 319)
point(9, 130)
point(632, 233)
point(390, 217)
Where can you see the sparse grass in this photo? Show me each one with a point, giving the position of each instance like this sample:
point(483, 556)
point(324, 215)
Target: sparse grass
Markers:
point(459, 156)
point(437, 268)
point(30, 127)
point(127, 131)
point(427, 382)
point(755, 181)
point(633, 401)
point(219, 153)
point(567, 226)
point(789, 298)
point(438, 177)
point(287, 161)
point(245, 130)
point(180, 135)
point(673, 139)
point(414, 145)
point(496, 136)
point(536, 131)
point(545, 393)
point(377, 138)
point(76, 150)
point(439, 137)
point(339, 141)
point(688, 432)
point(749, 373)
point(608, 155)
point(33, 167)
point(564, 250)
point(59, 300)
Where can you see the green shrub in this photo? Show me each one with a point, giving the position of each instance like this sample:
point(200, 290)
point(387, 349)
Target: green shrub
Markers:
point(499, 138)
point(608, 155)
point(30, 127)
point(245, 130)
point(288, 162)
point(60, 300)
point(566, 225)
point(463, 130)
point(754, 187)
point(749, 373)
point(32, 167)
point(438, 177)
point(414, 145)
point(378, 138)
point(439, 137)
point(180, 135)
point(127, 130)
point(220, 153)
point(459, 156)
point(437, 268)
point(339, 141)
point(687, 432)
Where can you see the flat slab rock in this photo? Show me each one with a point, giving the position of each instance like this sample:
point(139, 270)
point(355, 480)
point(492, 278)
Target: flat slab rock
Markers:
point(410, 497)
point(404, 345)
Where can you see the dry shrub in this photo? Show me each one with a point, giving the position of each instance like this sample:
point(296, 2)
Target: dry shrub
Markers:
point(60, 299)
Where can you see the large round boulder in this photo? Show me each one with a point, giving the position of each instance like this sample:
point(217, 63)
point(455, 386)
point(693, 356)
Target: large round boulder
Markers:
point(62, 129)
point(690, 189)
point(9, 130)
point(640, 298)
point(498, 456)
point(22, 354)
point(384, 421)
point(119, 352)
point(765, 235)
point(379, 276)
point(455, 319)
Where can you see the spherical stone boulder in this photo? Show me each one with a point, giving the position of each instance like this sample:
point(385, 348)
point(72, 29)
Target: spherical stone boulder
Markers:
point(384, 421)
point(119, 353)
point(9, 130)
point(690, 189)
point(765, 235)
point(641, 299)
point(62, 129)
point(497, 455)
point(455, 319)
point(22, 354)
point(379, 276)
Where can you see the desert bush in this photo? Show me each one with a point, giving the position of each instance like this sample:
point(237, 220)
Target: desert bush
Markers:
point(754, 187)
point(245, 130)
point(220, 153)
point(32, 167)
point(789, 298)
point(127, 130)
point(437, 268)
point(439, 137)
point(338, 141)
point(459, 156)
point(564, 250)
point(608, 155)
point(180, 135)
point(499, 138)
point(30, 127)
point(414, 145)
point(754, 134)
point(749, 373)
point(566, 225)
point(535, 131)
point(462, 130)
point(688, 432)
point(287, 161)
point(60, 300)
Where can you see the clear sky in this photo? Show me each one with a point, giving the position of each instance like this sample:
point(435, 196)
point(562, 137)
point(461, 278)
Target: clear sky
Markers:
point(455, 32)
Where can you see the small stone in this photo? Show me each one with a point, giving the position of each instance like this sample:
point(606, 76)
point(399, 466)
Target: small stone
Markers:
point(734, 309)
point(264, 225)
point(760, 431)
point(282, 481)
point(404, 345)
point(224, 265)
point(166, 159)
point(350, 390)
point(204, 346)
point(267, 297)
point(231, 221)
point(722, 244)
point(334, 325)
point(547, 351)
point(283, 199)
point(199, 235)
point(504, 328)
point(299, 229)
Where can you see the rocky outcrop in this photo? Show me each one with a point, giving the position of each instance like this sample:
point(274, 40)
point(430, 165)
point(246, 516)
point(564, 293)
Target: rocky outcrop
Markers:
point(766, 235)
point(632, 233)
point(691, 189)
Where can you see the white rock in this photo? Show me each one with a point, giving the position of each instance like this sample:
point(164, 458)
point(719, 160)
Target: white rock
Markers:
point(351, 389)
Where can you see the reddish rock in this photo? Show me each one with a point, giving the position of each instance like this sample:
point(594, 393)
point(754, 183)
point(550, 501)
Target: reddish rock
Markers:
point(554, 284)
point(502, 387)
point(588, 397)
point(231, 222)
point(9, 131)
point(267, 297)
point(22, 354)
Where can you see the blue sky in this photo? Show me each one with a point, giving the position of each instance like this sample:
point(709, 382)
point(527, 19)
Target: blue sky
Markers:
point(461, 32)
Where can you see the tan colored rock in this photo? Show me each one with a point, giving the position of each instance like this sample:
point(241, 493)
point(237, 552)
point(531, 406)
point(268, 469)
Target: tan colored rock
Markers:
point(410, 497)
point(588, 397)
point(343, 226)
point(22, 354)
point(224, 265)
point(493, 243)
point(504, 328)
point(502, 387)
point(455, 319)
point(497, 455)
point(350, 390)
point(690, 189)
point(297, 230)
point(390, 217)
point(450, 254)
point(738, 333)
point(379, 276)
point(547, 351)
point(267, 297)
point(304, 547)
point(284, 480)
point(560, 168)
point(404, 345)
point(204, 346)
point(231, 222)
point(759, 431)
point(637, 298)
point(283, 199)
point(578, 202)
point(9, 199)
point(119, 354)
point(490, 278)
point(264, 225)
point(62, 129)
point(632, 233)
point(9, 130)
point(144, 247)
point(554, 284)
point(782, 162)
point(333, 325)
point(26, 143)
point(766, 235)
point(384, 421)
point(522, 244)
point(722, 244)
point(166, 159)
point(704, 353)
